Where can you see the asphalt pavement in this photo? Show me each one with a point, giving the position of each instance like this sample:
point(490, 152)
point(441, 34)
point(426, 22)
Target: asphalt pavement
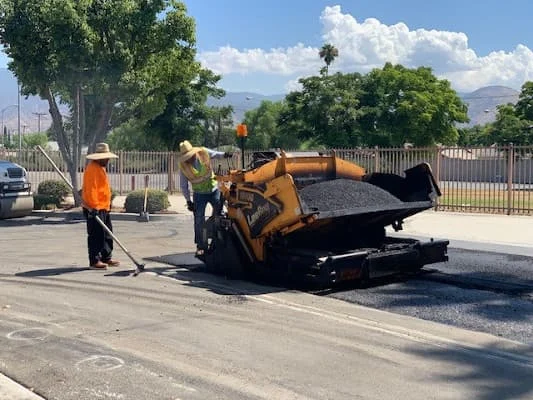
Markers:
point(474, 231)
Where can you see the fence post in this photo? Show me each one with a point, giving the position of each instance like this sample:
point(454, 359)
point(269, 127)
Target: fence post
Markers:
point(133, 183)
point(437, 164)
point(510, 173)
point(376, 159)
point(120, 171)
point(170, 172)
point(437, 173)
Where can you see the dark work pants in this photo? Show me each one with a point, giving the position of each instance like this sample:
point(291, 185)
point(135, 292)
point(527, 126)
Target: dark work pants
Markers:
point(200, 203)
point(99, 242)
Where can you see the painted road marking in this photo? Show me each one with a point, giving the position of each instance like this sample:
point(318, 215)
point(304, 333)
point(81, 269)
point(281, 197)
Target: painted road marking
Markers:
point(29, 334)
point(101, 362)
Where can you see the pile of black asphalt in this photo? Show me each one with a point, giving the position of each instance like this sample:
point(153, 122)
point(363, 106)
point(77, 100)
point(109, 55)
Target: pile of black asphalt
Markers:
point(339, 194)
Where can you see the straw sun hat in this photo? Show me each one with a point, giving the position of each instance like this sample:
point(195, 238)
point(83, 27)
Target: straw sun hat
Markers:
point(101, 153)
point(187, 151)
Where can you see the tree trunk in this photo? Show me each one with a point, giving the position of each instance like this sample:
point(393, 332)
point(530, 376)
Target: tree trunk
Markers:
point(65, 145)
point(102, 125)
point(70, 144)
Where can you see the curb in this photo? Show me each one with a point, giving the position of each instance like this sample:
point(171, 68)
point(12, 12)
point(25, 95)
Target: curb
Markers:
point(78, 215)
point(9, 389)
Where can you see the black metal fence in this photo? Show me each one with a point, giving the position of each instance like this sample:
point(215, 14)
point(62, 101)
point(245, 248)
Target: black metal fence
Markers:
point(473, 179)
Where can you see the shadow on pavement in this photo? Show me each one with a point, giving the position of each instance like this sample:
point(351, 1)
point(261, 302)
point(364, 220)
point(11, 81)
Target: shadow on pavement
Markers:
point(51, 272)
point(186, 267)
point(28, 221)
point(491, 374)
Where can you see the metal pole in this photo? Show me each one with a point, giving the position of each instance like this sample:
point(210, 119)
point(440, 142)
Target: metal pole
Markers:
point(242, 151)
point(219, 128)
point(510, 173)
point(18, 119)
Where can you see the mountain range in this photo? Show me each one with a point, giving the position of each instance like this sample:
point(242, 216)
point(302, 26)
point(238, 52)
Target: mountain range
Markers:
point(482, 104)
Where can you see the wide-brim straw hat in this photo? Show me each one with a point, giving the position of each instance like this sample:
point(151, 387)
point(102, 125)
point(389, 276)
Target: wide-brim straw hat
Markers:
point(187, 151)
point(101, 153)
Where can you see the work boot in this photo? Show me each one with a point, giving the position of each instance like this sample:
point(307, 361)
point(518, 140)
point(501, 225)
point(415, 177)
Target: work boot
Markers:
point(112, 263)
point(98, 265)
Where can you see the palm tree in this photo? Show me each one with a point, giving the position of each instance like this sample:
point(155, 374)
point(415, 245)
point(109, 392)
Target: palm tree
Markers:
point(328, 52)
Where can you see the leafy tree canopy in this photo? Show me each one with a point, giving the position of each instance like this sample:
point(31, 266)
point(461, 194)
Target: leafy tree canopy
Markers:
point(327, 109)
point(262, 126)
point(102, 58)
point(509, 128)
point(387, 107)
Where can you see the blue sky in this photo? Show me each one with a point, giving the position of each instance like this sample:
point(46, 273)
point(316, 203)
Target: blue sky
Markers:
point(265, 46)
point(471, 43)
point(489, 24)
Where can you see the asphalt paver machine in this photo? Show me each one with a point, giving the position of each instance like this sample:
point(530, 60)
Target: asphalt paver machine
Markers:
point(321, 218)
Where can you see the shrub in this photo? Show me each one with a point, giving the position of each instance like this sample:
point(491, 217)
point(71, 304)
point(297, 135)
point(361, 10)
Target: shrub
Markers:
point(57, 190)
point(44, 202)
point(157, 201)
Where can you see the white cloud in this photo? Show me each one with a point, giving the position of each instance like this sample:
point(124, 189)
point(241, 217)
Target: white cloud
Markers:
point(276, 61)
point(293, 85)
point(369, 44)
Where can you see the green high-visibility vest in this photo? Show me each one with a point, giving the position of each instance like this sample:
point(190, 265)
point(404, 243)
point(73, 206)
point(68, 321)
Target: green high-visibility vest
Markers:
point(208, 185)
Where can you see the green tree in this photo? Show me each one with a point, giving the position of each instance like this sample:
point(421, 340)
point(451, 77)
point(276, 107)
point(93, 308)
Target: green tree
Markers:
point(387, 107)
point(474, 136)
point(100, 57)
point(326, 110)
point(218, 127)
point(524, 106)
point(402, 105)
point(29, 141)
point(509, 127)
point(262, 124)
point(131, 136)
point(185, 114)
point(328, 52)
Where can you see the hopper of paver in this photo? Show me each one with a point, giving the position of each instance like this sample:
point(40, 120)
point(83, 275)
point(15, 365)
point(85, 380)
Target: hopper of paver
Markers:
point(320, 217)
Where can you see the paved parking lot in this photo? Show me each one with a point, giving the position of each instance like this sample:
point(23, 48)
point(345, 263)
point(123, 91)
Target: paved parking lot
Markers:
point(70, 332)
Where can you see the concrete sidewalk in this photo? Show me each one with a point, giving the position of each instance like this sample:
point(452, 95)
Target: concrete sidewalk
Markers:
point(11, 390)
point(481, 228)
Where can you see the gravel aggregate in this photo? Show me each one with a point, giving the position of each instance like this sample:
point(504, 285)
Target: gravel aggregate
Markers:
point(342, 194)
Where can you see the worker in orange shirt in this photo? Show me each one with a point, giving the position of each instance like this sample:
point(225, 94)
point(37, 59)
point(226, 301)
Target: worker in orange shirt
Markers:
point(96, 197)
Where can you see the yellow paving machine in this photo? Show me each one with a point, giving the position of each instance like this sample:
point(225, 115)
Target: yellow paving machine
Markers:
point(318, 217)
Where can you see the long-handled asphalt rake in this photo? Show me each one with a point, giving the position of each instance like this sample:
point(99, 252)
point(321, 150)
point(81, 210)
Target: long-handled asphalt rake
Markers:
point(139, 266)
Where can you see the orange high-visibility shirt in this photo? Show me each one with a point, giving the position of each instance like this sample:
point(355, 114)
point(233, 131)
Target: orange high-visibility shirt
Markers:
point(96, 191)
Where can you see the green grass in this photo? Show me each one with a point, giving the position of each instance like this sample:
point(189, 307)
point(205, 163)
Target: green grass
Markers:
point(489, 199)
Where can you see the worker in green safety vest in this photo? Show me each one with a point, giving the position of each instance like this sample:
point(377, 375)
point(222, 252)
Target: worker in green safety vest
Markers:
point(195, 168)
